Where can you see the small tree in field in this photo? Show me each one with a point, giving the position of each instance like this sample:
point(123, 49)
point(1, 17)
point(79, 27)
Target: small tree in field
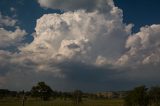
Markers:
point(42, 90)
point(77, 96)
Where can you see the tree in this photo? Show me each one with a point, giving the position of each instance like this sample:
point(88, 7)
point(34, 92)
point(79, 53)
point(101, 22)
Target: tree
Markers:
point(77, 96)
point(154, 96)
point(42, 90)
point(137, 97)
point(4, 93)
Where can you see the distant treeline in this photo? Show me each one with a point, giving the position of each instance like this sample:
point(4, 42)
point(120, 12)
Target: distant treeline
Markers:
point(8, 93)
point(63, 95)
point(45, 92)
point(139, 96)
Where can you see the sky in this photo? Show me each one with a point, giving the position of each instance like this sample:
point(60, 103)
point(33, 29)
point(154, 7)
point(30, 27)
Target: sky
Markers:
point(92, 45)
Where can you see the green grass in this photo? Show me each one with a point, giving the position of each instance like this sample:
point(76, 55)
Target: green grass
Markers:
point(58, 102)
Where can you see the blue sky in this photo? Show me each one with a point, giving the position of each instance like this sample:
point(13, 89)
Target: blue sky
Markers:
point(93, 45)
point(140, 12)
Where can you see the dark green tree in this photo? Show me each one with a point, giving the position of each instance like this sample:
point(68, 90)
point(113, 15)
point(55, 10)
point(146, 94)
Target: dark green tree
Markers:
point(77, 97)
point(4, 93)
point(137, 97)
point(154, 96)
point(41, 90)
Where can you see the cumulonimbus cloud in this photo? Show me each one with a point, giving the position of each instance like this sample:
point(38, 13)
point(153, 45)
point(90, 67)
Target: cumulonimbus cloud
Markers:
point(71, 47)
point(81, 36)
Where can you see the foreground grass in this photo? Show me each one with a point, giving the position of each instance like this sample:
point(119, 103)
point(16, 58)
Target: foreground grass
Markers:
point(58, 102)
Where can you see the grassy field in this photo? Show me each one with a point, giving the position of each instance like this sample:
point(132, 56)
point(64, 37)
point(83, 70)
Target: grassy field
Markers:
point(58, 102)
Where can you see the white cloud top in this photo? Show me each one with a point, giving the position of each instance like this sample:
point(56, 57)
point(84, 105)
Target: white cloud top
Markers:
point(144, 47)
point(81, 35)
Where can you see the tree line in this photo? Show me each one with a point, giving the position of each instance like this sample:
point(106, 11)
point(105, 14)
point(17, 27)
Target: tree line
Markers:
point(44, 92)
point(139, 96)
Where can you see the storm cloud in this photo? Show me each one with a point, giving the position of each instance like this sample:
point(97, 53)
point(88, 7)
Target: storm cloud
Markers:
point(88, 47)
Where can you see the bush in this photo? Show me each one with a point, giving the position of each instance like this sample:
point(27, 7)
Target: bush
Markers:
point(137, 97)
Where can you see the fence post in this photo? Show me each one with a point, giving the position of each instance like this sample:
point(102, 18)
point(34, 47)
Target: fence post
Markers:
point(23, 98)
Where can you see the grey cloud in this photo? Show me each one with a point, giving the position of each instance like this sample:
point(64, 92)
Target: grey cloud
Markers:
point(74, 75)
point(77, 75)
point(89, 5)
point(12, 9)
point(6, 21)
point(10, 37)
point(73, 46)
